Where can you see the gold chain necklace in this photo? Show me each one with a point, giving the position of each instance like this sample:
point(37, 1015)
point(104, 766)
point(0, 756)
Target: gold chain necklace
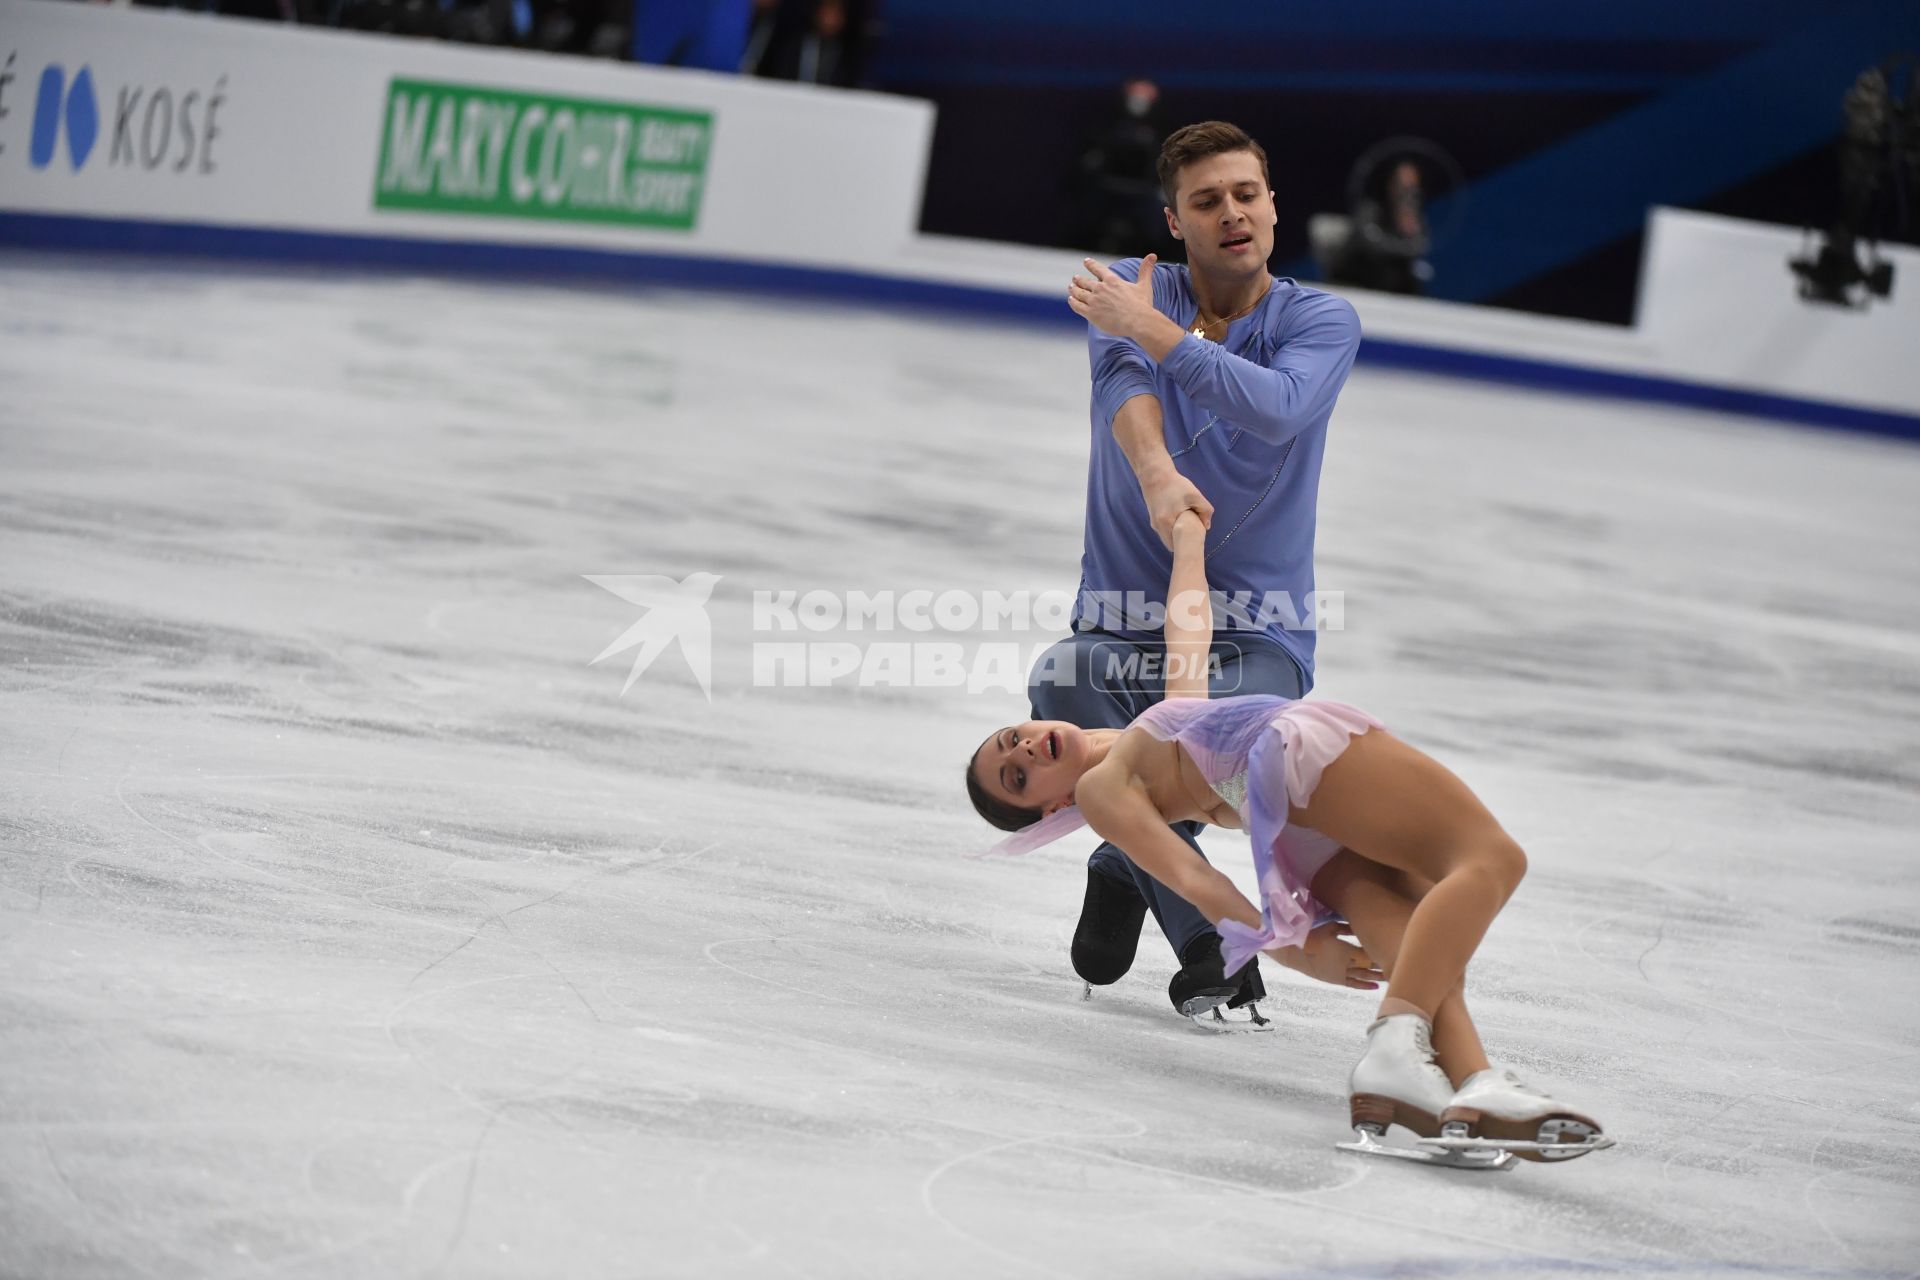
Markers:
point(1200, 327)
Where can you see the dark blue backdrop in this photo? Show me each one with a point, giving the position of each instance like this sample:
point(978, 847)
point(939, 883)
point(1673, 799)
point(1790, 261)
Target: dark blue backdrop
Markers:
point(1569, 119)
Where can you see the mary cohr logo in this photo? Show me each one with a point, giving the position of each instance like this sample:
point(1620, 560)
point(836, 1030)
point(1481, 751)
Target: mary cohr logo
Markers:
point(150, 127)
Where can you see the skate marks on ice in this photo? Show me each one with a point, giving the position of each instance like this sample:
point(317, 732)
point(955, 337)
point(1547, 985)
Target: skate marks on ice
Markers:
point(1065, 1167)
point(431, 953)
point(1770, 1095)
point(1544, 1268)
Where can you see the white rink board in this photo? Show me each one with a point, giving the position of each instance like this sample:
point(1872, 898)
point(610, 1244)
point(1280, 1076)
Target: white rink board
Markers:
point(1716, 293)
point(795, 174)
point(352, 925)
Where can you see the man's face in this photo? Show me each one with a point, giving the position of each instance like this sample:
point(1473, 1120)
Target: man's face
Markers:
point(1224, 213)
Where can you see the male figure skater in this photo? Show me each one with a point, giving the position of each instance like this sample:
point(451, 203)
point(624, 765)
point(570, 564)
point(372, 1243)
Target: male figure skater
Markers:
point(1212, 386)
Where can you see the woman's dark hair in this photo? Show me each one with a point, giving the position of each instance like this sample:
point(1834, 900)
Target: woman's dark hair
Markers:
point(1007, 817)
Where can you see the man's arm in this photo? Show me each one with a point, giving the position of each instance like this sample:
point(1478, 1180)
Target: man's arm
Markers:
point(1123, 388)
point(1278, 402)
point(1274, 403)
point(1141, 434)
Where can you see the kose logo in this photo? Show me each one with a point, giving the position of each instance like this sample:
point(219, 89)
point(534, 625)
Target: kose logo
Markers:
point(153, 127)
point(77, 106)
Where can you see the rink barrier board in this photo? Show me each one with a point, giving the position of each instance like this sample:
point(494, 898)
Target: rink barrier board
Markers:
point(59, 233)
point(163, 116)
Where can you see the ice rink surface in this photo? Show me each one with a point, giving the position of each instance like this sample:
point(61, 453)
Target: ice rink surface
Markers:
point(352, 924)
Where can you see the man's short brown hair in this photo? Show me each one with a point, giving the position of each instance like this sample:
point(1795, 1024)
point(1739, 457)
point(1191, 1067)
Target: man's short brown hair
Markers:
point(1197, 142)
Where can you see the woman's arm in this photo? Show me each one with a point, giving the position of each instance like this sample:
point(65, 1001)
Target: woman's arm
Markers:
point(1189, 631)
point(1117, 806)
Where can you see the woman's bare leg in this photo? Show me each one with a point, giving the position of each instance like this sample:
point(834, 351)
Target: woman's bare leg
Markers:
point(1388, 908)
point(1393, 805)
point(1378, 901)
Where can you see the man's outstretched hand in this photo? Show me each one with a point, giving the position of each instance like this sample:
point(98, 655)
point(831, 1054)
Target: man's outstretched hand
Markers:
point(1122, 308)
point(1167, 494)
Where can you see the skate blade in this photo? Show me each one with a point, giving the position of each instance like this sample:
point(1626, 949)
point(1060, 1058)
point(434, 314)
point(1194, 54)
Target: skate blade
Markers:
point(1224, 1021)
point(1367, 1144)
point(1545, 1152)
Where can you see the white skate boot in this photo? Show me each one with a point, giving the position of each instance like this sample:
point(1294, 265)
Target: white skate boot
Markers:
point(1496, 1110)
point(1397, 1082)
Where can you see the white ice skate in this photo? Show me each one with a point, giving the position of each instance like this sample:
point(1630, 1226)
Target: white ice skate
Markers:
point(1397, 1082)
point(1497, 1111)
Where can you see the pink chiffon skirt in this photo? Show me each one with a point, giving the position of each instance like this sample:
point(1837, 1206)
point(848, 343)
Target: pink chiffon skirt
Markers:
point(1315, 733)
point(1287, 856)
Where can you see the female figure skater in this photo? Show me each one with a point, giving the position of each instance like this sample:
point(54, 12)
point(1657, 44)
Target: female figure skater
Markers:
point(1347, 822)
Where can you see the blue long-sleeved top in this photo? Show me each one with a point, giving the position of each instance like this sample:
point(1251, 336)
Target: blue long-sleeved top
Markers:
point(1246, 422)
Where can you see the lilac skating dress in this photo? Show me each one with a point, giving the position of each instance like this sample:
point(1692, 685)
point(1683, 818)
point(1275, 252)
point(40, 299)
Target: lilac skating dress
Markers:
point(1261, 753)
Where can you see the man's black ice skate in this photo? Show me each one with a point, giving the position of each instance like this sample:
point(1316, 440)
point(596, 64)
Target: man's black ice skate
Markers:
point(1203, 992)
point(1108, 934)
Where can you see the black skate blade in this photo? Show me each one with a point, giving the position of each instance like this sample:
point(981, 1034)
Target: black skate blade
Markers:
point(1368, 1144)
point(1221, 1020)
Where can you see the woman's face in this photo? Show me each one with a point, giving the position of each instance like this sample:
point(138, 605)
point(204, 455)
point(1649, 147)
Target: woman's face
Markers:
point(1035, 764)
